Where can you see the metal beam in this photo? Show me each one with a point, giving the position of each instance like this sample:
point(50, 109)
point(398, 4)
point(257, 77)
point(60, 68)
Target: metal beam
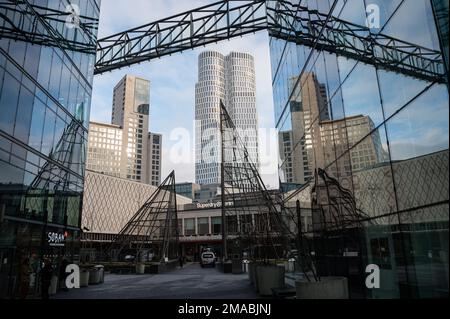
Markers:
point(220, 21)
point(300, 25)
point(24, 21)
point(205, 25)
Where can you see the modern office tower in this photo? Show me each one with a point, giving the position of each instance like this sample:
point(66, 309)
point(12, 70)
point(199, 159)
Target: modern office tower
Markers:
point(125, 148)
point(286, 156)
point(154, 157)
point(131, 103)
point(402, 185)
point(231, 79)
point(45, 94)
point(336, 135)
point(308, 107)
point(105, 149)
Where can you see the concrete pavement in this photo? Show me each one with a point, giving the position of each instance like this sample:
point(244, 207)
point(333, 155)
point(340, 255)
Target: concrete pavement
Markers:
point(190, 282)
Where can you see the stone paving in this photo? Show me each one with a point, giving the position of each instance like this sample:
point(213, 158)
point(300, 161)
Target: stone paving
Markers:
point(190, 282)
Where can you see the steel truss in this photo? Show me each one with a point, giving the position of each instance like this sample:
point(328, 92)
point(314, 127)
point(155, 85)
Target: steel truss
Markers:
point(335, 206)
point(255, 220)
point(53, 180)
point(251, 219)
point(29, 22)
point(294, 23)
point(283, 20)
point(155, 223)
point(220, 21)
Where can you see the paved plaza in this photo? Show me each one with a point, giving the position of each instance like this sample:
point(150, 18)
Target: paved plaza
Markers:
point(190, 282)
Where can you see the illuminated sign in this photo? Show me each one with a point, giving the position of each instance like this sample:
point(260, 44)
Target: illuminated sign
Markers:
point(56, 239)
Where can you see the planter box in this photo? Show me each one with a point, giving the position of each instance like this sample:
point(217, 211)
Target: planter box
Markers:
point(236, 267)
point(327, 288)
point(154, 269)
point(140, 269)
point(94, 276)
point(227, 267)
point(84, 278)
point(269, 277)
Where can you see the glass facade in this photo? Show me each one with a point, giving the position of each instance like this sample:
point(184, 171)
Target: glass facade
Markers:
point(45, 97)
point(384, 137)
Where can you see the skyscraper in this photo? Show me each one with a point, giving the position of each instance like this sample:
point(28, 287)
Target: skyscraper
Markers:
point(154, 146)
point(125, 148)
point(308, 107)
point(131, 102)
point(231, 79)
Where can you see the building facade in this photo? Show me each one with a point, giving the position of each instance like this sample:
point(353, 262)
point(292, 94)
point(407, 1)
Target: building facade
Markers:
point(125, 148)
point(45, 98)
point(154, 157)
point(131, 103)
point(230, 79)
point(105, 149)
point(383, 140)
point(187, 189)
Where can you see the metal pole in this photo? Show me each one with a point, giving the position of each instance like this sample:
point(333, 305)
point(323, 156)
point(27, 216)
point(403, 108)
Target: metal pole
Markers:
point(222, 185)
point(299, 226)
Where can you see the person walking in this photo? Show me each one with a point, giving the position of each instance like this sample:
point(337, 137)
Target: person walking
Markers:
point(181, 261)
point(63, 274)
point(46, 278)
point(24, 275)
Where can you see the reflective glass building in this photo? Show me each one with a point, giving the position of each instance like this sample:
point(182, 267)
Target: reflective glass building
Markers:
point(46, 73)
point(382, 136)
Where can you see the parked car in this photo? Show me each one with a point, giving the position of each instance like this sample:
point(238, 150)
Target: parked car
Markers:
point(207, 258)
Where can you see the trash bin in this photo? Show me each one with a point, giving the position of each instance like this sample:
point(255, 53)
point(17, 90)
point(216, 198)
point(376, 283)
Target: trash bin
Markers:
point(228, 267)
point(94, 276)
point(140, 268)
point(245, 265)
point(84, 277)
point(101, 273)
point(291, 265)
point(154, 268)
point(53, 285)
point(236, 265)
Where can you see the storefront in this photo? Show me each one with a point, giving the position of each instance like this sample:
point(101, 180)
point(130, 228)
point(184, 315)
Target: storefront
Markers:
point(25, 242)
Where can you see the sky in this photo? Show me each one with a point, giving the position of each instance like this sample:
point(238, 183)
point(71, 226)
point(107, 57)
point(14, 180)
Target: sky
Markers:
point(173, 78)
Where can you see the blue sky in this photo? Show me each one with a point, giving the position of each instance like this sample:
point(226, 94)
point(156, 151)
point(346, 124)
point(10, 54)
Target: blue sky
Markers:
point(173, 78)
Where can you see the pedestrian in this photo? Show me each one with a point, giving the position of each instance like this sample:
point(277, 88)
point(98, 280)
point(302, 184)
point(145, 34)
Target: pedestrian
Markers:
point(63, 274)
point(181, 261)
point(46, 278)
point(24, 275)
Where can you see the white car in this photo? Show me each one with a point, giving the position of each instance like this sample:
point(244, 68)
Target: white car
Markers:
point(208, 258)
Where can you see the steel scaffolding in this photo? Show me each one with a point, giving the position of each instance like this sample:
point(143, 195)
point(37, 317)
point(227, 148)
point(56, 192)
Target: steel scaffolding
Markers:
point(155, 223)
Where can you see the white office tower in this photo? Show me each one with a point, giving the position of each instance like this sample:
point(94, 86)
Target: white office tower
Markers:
point(231, 79)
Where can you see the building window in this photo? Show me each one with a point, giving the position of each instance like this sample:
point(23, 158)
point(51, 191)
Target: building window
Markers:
point(203, 225)
point(216, 223)
point(189, 226)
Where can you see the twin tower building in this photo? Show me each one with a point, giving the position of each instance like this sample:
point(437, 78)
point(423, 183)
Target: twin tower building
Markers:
point(126, 149)
point(230, 79)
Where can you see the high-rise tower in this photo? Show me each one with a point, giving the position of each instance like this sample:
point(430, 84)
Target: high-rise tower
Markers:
point(229, 78)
